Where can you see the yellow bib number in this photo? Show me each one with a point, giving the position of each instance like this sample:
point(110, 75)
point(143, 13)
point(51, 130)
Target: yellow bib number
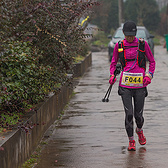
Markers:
point(132, 79)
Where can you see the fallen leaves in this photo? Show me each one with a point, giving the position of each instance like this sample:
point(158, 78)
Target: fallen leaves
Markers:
point(1, 148)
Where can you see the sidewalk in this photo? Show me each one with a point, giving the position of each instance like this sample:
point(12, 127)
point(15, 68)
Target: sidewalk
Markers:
point(92, 133)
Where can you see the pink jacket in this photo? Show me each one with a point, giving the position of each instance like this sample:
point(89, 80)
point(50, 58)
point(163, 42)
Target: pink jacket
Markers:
point(131, 54)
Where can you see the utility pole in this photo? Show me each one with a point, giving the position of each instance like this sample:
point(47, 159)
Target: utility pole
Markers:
point(120, 11)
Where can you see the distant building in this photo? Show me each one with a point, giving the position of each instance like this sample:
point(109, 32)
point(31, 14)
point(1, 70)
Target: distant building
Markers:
point(162, 3)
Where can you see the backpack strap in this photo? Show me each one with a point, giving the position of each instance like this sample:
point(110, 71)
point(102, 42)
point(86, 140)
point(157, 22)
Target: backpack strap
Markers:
point(141, 60)
point(122, 57)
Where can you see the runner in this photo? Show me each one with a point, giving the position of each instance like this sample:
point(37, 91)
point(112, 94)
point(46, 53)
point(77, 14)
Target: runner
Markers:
point(131, 53)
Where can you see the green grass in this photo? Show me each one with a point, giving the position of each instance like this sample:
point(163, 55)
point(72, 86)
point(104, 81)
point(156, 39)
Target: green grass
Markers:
point(157, 39)
point(100, 39)
point(8, 121)
point(78, 59)
point(73, 93)
point(35, 157)
point(30, 163)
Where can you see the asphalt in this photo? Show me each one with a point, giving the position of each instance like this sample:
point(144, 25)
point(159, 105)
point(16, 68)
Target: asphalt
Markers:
point(91, 133)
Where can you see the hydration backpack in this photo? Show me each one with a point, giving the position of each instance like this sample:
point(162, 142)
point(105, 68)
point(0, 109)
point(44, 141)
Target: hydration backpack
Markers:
point(140, 59)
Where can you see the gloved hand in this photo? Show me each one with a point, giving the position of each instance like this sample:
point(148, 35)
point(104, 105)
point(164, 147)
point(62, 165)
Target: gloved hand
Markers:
point(112, 80)
point(146, 80)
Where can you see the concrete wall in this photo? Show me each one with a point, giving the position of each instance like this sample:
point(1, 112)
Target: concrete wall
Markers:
point(80, 68)
point(18, 145)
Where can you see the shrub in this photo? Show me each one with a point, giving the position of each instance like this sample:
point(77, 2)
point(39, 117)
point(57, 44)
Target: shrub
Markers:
point(39, 41)
point(52, 27)
point(100, 39)
point(24, 80)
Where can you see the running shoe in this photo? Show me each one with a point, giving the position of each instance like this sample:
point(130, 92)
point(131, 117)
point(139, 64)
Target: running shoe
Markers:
point(131, 146)
point(142, 139)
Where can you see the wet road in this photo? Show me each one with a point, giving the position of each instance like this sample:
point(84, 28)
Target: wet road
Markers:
point(92, 133)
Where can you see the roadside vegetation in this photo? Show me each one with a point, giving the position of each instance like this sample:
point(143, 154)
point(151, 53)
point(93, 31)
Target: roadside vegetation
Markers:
point(100, 39)
point(39, 43)
point(106, 18)
point(157, 39)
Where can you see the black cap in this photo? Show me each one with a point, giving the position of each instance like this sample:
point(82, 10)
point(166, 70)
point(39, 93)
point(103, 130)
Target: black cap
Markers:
point(129, 28)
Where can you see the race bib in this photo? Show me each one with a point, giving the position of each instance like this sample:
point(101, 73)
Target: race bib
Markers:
point(132, 79)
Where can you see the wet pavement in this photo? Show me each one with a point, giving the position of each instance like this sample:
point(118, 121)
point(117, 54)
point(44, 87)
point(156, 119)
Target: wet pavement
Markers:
point(92, 133)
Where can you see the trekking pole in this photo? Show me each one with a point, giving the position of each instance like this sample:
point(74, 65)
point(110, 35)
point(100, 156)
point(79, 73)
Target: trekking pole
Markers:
point(107, 93)
point(106, 97)
point(116, 72)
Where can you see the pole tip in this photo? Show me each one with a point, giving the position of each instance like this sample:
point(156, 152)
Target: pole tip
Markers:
point(103, 100)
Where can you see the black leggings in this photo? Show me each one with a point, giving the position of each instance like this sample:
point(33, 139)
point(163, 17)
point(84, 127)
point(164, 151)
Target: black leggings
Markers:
point(138, 96)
